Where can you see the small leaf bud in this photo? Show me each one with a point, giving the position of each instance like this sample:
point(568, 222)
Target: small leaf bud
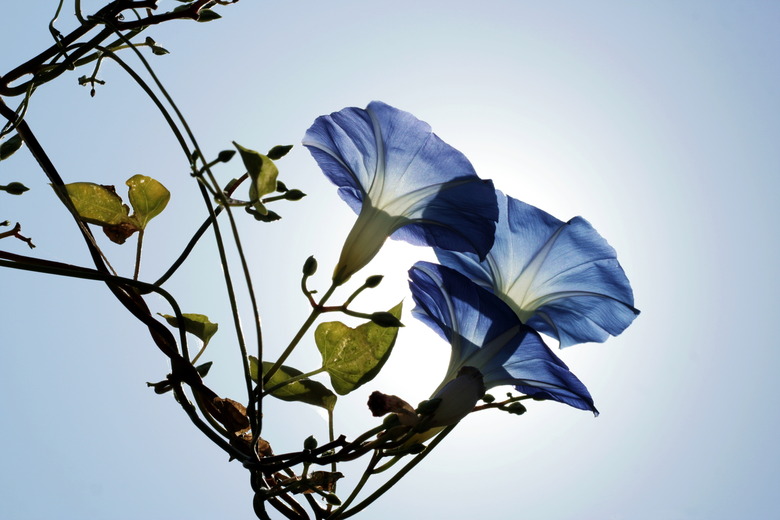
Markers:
point(270, 216)
point(310, 266)
point(161, 387)
point(310, 443)
point(488, 398)
point(373, 281)
point(294, 195)
point(225, 155)
point(15, 188)
point(279, 151)
point(385, 319)
point(332, 499)
point(203, 369)
point(208, 15)
point(515, 408)
point(281, 187)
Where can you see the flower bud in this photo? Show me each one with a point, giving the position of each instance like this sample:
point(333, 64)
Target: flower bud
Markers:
point(15, 188)
point(294, 195)
point(332, 499)
point(225, 155)
point(515, 408)
point(373, 281)
point(278, 151)
point(386, 319)
point(310, 443)
point(310, 266)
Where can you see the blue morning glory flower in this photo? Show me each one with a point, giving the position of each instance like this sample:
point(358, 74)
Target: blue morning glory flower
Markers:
point(486, 335)
point(560, 278)
point(402, 181)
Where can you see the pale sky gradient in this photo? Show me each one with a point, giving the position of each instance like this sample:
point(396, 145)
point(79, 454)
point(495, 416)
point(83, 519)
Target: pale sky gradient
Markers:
point(656, 121)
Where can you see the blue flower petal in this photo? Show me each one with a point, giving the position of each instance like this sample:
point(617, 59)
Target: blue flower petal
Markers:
point(561, 278)
point(403, 181)
point(486, 334)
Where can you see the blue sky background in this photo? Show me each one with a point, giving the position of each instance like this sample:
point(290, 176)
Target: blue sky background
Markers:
point(657, 122)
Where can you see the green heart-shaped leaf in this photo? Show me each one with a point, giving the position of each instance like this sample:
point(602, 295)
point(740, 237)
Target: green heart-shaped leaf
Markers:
point(148, 198)
point(196, 324)
point(304, 390)
point(354, 357)
point(98, 204)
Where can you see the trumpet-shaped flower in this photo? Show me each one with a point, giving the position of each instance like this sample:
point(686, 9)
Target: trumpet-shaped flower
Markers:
point(403, 181)
point(560, 278)
point(486, 335)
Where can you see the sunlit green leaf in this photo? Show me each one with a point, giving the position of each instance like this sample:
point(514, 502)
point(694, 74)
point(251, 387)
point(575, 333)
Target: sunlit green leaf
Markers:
point(263, 173)
point(148, 198)
point(196, 324)
point(305, 390)
point(99, 204)
point(9, 147)
point(354, 357)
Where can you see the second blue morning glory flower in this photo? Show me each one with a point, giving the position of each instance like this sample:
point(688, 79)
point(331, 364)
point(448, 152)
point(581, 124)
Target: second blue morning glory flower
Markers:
point(561, 278)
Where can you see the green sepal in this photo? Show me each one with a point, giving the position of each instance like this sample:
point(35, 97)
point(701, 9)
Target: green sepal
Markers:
point(305, 390)
point(353, 357)
point(148, 198)
point(196, 324)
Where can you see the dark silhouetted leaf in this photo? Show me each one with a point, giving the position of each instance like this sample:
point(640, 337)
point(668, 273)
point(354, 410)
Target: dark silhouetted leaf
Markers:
point(305, 391)
point(9, 147)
